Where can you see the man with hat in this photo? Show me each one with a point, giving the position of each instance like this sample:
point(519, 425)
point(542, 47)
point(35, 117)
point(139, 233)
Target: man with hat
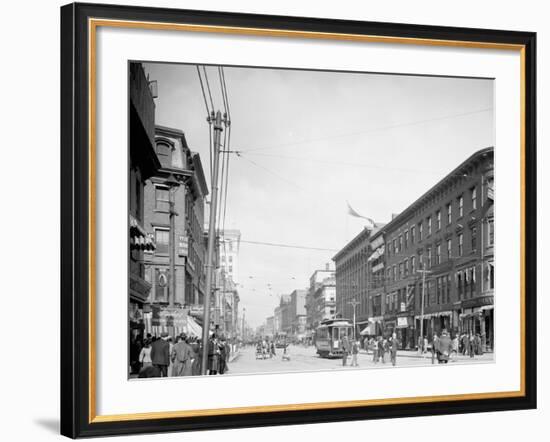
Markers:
point(160, 354)
point(182, 357)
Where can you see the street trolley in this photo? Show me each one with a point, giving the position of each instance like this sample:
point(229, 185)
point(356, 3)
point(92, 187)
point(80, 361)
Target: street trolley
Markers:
point(329, 335)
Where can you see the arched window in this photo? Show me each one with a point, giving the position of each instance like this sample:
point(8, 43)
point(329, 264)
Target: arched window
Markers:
point(164, 152)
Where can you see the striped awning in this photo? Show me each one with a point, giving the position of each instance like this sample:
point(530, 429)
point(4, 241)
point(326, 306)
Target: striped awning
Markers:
point(139, 238)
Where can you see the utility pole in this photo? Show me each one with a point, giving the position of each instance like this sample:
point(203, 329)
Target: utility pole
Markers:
point(172, 184)
point(211, 239)
point(354, 303)
point(423, 271)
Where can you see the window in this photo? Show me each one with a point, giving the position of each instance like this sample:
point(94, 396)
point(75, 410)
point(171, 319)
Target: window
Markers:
point(413, 264)
point(473, 237)
point(164, 152)
point(460, 206)
point(449, 213)
point(449, 248)
point(420, 231)
point(388, 249)
point(429, 225)
point(491, 232)
point(491, 275)
point(394, 273)
point(230, 259)
point(459, 284)
point(162, 239)
point(162, 198)
point(473, 192)
point(162, 285)
point(406, 267)
point(460, 244)
point(412, 234)
point(429, 251)
point(438, 219)
point(406, 239)
point(437, 254)
point(395, 246)
point(400, 243)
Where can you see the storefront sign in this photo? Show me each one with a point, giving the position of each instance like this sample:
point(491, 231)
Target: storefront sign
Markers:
point(478, 302)
point(169, 317)
point(402, 321)
point(197, 310)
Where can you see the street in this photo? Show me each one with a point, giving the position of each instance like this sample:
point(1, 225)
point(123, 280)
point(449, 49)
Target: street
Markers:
point(306, 359)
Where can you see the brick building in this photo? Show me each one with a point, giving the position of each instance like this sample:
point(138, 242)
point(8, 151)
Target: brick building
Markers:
point(448, 231)
point(320, 298)
point(297, 313)
point(352, 281)
point(180, 181)
point(143, 164)
point(377, 285)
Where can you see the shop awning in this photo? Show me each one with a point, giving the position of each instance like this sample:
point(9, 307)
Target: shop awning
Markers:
point(368, 330)
point(139, 238)
point(435, 315)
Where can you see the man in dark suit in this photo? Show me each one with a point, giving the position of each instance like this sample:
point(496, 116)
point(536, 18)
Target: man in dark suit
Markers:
point(345, 350)
point(160, 354)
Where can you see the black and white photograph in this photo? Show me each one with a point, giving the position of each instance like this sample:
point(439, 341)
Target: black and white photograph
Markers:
point(286, 220)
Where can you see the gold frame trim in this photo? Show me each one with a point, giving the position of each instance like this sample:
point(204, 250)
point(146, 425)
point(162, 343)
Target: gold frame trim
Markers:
point(93, 24)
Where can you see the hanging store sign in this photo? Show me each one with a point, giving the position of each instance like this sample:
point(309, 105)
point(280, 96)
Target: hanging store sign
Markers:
point(183, 245)
point(402, 321)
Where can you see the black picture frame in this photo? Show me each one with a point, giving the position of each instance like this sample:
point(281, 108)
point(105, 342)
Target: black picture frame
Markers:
point(75, 221)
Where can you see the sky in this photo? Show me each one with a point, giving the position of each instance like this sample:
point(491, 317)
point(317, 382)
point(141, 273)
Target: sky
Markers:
point(310, 142)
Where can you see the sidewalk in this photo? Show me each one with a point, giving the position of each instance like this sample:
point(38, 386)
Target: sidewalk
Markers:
point(234, 356)
point(428, 355)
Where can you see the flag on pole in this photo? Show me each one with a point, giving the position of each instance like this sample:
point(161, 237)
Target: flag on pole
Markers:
point(355, 214)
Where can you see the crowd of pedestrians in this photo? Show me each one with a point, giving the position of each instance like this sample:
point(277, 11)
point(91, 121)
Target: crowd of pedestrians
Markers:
point(382, 347)
point(167, 356)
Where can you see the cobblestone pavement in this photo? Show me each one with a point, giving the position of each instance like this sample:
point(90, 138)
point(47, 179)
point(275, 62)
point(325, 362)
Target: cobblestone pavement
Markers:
point(306, 359)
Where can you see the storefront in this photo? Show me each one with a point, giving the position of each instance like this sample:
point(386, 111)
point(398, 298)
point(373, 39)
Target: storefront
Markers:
point(405, 332)
point(435, 323)
point(477, 317)
point(389, 325)
point(375, 326)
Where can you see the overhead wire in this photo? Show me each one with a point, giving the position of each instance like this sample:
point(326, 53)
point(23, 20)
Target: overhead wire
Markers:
point(240, 155)
point(227, 147)
point(290, 246)
point(208, 87)
point(208, 115)
point(377, 129)
point(341, 163)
